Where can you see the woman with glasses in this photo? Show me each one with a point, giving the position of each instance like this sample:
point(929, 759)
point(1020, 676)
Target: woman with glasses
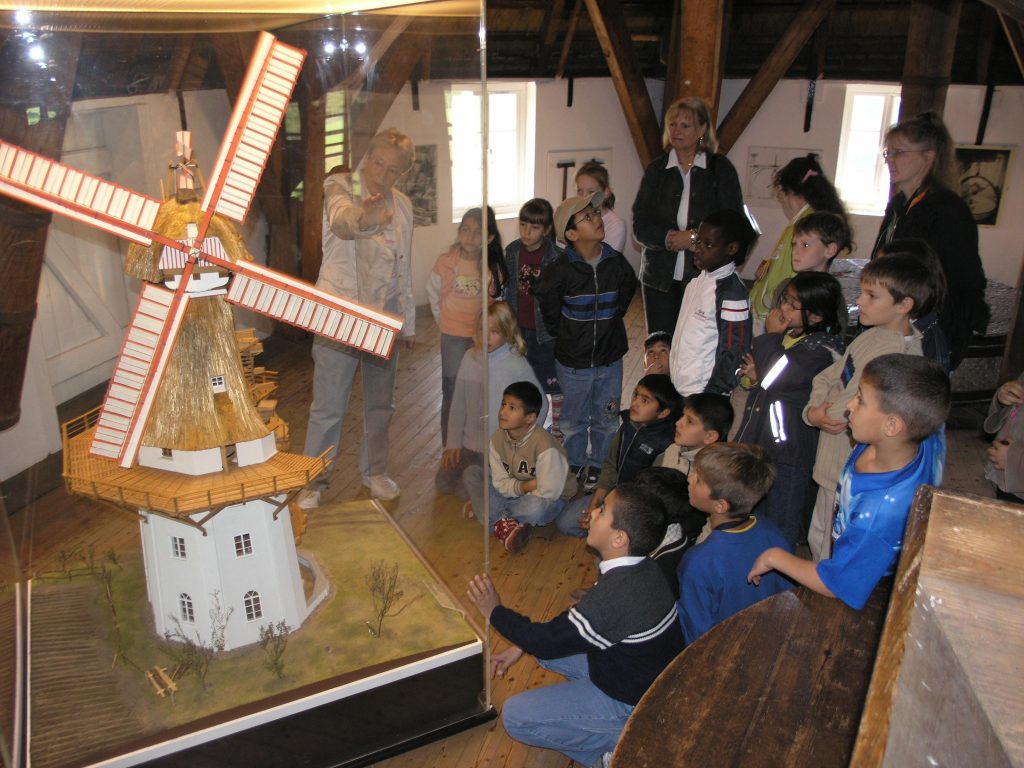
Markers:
point(801, 188)
point(924, 205)
point(677, 191)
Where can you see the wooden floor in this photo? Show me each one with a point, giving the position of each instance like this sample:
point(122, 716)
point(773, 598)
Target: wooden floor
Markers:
point(536, 582)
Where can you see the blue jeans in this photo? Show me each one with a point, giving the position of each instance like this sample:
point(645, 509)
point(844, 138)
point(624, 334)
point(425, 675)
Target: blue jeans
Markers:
point(529, 508)
point(453, 349)
point(333, 374)
point(591, 406)
point(569, 521)
point(576, 717)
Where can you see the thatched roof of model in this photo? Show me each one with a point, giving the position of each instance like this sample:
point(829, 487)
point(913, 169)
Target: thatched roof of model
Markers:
point(187, 414)
point(172, 221)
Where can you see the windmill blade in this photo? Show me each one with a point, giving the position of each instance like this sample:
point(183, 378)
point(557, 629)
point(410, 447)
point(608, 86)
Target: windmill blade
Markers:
point(147, 348)
point(259, 110)
point(292, 301)
point(59, 188)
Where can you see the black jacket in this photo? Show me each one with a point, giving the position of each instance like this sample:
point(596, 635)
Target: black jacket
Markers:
point(583, 307)
point(944, 221)
point(657, 205)
point(635, 448)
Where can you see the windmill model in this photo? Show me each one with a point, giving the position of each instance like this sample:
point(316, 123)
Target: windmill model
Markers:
point(178, 437)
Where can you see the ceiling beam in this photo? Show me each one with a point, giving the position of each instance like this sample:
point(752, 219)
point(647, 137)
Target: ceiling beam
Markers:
point(694, 66)
point(1014, 30)
point(931, 42)
point(1012, 8)
point(570, 33)
point(807, 19)
point(609, 23)
point(313, 110)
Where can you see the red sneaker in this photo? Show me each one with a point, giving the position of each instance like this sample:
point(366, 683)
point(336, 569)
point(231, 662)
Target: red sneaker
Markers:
point(513, 534)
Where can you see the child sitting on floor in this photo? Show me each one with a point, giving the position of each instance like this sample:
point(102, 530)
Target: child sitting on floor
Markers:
point(646, 431)
point(726, 481)
point(530, 478)
point(610, 646)
point(897, 420)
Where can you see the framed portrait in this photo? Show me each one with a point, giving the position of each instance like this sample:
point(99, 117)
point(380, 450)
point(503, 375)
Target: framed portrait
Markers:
point(982, 177)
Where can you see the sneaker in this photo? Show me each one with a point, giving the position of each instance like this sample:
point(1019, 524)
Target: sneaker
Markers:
point(467, 510)
point(512, 533)
point(593, 474)
point(383, 487)
point(308, 499)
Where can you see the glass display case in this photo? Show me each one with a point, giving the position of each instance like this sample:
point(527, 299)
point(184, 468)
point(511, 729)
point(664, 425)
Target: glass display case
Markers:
point(224, 539)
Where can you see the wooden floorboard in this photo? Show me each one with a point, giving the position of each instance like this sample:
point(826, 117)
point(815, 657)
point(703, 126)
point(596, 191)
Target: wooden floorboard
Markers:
point(537, 582)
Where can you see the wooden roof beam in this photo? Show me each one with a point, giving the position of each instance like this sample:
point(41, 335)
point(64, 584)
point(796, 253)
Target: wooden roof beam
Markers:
point(931, 41)
point(570, 33)
point(694, 66)
point(1015, 37)
point(610, 25)
point(807, 19)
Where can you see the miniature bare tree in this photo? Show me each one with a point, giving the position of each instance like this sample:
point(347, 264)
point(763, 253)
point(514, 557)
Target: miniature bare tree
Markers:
point(191, 655)
point(219, 621)
point(383, 584)
point(274, 641)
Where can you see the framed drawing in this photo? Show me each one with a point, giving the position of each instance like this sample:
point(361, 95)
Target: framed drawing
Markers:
point(762, 164)
point(982, 175)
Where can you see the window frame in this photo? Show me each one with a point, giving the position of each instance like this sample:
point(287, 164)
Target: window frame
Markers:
point(178, 549)
point(253, 605)
point(186, 608)
point(861, 205)
point(243, 545)
point(523, 188)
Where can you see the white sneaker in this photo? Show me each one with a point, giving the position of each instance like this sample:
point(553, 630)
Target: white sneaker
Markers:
point(308, 499)
point(383, 487)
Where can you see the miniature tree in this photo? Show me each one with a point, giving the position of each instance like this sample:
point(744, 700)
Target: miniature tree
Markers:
point(274, 641)
point(383, 584)
point(219, 621)
point(191, 655)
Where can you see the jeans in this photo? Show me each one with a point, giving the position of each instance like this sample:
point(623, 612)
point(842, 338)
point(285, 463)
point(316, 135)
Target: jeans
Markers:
point(576, 717)
point(333, 374)
point(541, 357)
point(453, 349)
point(569, 521)
point(449, 481)
point(529, 508)
point(591, 405)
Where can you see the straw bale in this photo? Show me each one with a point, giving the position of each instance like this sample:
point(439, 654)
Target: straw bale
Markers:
point(187, 415)
point(172, 221)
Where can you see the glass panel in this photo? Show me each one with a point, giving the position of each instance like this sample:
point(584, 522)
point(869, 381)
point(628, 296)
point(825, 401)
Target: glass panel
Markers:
point(248, 528)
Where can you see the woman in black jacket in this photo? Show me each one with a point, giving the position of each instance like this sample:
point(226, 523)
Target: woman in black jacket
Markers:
point(665, 220)
point(919, 154)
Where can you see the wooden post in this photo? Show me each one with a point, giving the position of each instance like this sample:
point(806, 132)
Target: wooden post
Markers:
point(810, 15)
point(23, 228)
point(931, 40)
point(613, 35)
point(314, 127)
point(694, 63)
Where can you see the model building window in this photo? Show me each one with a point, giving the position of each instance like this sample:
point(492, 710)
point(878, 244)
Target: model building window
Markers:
point(178, 547)
point(217, 382)
point(185, 604)
point(253, 608)
point(166, 453)
point(243, 545)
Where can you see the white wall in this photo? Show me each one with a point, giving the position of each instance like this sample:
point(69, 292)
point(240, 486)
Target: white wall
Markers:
point(779, 123)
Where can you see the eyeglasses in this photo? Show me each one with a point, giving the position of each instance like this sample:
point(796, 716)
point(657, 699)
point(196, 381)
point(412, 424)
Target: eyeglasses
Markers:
point(894, 153)
point(588, 216)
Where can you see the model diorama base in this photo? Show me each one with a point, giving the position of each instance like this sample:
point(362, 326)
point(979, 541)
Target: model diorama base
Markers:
point(106, 689)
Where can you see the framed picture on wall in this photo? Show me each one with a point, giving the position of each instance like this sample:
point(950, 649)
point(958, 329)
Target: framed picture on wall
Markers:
point(981, 173)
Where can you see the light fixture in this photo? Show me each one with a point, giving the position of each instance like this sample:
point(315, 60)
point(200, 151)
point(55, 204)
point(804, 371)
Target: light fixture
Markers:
point(360, 47)
point(23, 17)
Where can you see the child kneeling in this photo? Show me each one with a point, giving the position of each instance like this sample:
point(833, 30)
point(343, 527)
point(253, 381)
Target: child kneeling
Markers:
point(897, 420)
point(610, 646)
point(530, 478)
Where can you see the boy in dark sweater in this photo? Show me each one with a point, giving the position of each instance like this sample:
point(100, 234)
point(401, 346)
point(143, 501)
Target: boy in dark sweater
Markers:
point(610, 646)
point(726, 481)
point(648, 428)
point(583, 296)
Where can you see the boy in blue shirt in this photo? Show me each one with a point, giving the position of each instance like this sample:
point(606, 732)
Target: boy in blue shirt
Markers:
point(726, 482)
point(896, 417)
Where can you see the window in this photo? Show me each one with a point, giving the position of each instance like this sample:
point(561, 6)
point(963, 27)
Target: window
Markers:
point(178, 547)
point(510, 146)
point(185, 608)
point(243, 545)
point(217, 382)
point(166, 453)
point(861, 176)
point(253, 608)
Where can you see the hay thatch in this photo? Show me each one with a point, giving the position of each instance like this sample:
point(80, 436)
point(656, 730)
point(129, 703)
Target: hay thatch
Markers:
point(144, 262)
point(187, 415)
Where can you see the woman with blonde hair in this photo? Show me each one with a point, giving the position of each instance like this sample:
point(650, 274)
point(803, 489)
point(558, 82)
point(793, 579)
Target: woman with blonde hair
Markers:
point(506, 363)
point(919, 155)
point(678, 190)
